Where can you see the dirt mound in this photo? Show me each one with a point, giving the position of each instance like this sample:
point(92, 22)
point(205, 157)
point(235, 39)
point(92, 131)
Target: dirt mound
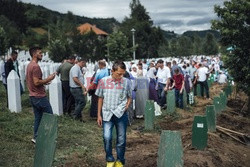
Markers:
point(223, 151)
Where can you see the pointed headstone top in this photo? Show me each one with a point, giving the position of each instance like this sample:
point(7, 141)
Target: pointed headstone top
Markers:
point(13, 75)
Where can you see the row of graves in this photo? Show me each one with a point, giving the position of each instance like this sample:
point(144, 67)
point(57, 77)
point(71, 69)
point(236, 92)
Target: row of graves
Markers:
point(170, 151)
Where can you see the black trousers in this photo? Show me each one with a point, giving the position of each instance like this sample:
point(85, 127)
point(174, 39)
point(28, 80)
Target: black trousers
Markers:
point(68, 99)
point(204, 85)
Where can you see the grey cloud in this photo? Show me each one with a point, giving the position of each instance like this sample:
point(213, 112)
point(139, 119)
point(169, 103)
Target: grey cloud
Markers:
point(200, 21)
point(176, 15)
point(179, 13)
point(169, 22)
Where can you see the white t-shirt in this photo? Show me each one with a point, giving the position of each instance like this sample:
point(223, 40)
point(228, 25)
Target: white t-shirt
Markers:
point(202, 74)
point(222, 78)
point(163, 74)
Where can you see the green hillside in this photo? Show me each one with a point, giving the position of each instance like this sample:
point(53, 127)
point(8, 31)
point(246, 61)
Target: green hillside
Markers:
point(30, 16)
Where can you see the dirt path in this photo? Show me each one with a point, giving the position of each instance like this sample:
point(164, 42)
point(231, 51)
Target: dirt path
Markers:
point(221, 151)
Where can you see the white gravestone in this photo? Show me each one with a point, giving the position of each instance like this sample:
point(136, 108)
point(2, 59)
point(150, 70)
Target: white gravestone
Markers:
point(22, 76)
point(1, 69)
point(14, 94)
point(55, 96)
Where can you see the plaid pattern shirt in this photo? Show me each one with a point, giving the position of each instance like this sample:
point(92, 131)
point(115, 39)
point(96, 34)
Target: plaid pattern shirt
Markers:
point(115, 95)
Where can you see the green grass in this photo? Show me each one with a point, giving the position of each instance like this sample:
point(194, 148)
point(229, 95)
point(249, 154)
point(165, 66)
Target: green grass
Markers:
point(77, 143)
point(74, 137)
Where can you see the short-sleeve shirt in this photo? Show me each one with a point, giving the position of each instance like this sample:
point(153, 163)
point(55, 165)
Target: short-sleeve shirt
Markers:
point(64, 71)
point(178, 81)
point(34, 70)
point(115, 95)
point(202, 74)
point(75, 71)
point(163, 74)
point(101, 74)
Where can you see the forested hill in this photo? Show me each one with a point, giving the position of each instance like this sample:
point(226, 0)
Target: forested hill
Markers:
point(28, 15)
point(202, 34)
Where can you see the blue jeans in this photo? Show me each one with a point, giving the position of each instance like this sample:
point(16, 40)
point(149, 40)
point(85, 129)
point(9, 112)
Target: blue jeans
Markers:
point(161, 94)
point(179, 98)
point(79, 102)
point(40, 105)
point(121, 128)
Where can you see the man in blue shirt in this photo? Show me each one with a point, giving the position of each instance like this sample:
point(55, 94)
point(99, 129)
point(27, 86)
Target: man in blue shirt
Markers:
point(102, 72)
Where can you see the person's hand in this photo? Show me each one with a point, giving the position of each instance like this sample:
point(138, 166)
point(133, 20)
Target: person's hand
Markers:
point(99, 121)
point(165, 89)
point(84, 90)
point(52, 76)
point(126, 108)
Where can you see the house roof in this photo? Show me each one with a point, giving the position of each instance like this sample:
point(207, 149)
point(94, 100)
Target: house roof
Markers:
point(85, 28)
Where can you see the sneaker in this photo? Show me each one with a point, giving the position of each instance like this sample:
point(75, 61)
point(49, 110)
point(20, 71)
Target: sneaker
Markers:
point(33, 141)
point(118, 164)
point(110, 164)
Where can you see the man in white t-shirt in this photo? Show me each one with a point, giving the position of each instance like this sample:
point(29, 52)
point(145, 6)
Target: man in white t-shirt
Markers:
point(163, 74)
point(202, 73)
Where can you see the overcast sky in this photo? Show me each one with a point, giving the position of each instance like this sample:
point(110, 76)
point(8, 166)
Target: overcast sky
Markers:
point(174, 15)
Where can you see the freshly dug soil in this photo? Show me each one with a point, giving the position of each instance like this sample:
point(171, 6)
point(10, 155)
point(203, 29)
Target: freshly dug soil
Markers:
point(223, 151)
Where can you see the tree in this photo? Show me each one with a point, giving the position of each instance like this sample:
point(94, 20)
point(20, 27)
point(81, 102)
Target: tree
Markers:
point(164, 49)
point(210, 46)
point(89, 45)
point(234, 28)
point(197, 41)
point(33, 38)
point(174, 47)
point(11, 32)
point(3, 42)
point(14, 11)
point(117, 45)
point(185, 46)
point(147, 37)
point(59, 45)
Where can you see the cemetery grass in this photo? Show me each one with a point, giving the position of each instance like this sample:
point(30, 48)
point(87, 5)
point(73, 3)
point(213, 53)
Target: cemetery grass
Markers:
point(77, 142)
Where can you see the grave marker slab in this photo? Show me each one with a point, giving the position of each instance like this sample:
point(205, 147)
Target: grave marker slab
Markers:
point(230, 89)
point(46, 141)
point(170, 151)
point(184, 99)
point(55, 96)
point(223, 99)
point(198, 90)
point(211, 118)
point(171, 101)
point(149, 115)
point(217, 104)
point(199, 132)
point(14, 94)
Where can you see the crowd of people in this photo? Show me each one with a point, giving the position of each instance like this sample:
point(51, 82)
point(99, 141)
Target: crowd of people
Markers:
point(118, 92)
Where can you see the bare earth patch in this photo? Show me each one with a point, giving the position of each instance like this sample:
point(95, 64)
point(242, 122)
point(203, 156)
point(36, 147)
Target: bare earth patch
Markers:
point(221, 151)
